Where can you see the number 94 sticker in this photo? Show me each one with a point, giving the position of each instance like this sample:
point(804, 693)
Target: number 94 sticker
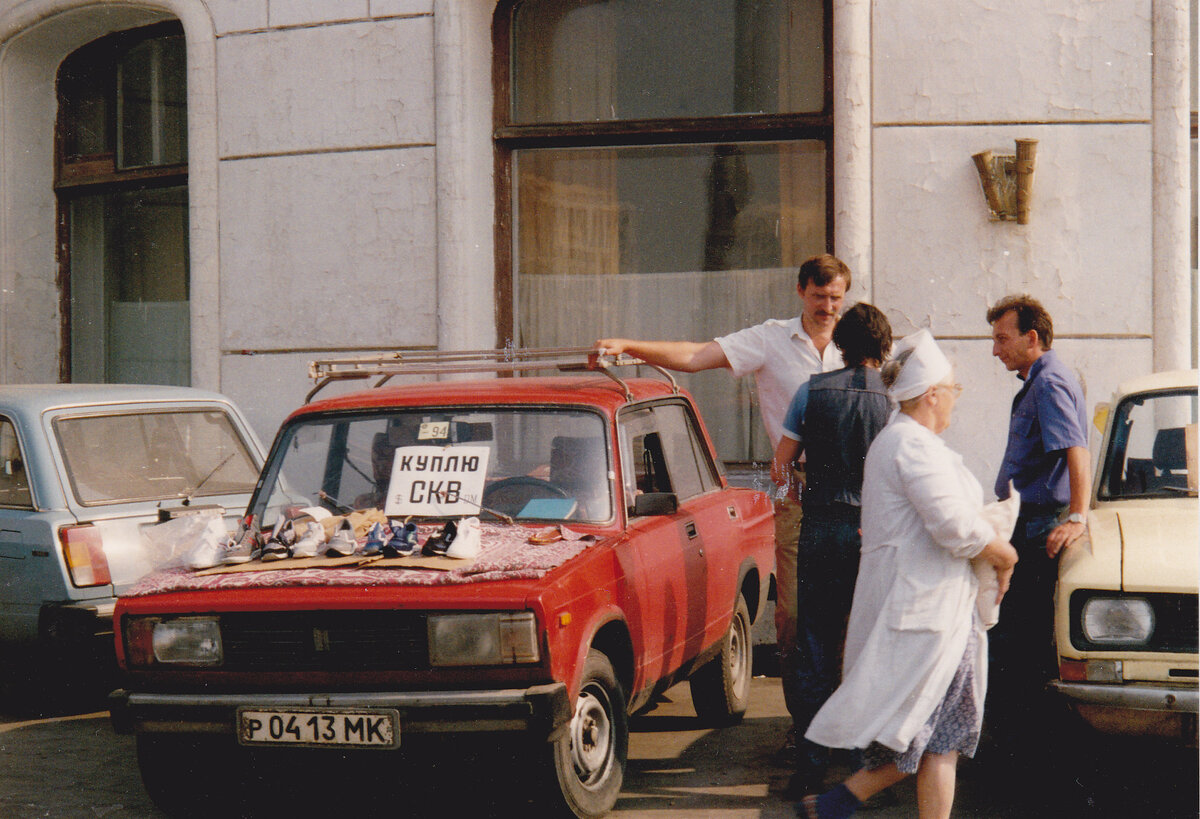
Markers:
point(363, 728)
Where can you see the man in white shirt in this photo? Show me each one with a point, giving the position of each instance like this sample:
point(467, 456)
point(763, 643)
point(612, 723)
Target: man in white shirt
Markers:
point(781, 354)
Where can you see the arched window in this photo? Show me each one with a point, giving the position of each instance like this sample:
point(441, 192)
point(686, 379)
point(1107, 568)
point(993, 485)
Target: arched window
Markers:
point(663, 170)
point(121, 181)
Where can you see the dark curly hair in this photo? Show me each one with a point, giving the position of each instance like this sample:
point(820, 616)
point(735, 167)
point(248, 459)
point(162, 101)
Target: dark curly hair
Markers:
point(863, 333)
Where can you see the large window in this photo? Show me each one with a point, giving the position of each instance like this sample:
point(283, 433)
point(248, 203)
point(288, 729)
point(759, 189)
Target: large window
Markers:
point(122, 187)
point(664, 169)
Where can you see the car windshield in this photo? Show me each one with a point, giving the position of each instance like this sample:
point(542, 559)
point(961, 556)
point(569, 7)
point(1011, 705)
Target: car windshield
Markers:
point(527, 464)
point(1152, 451)
point(122, 457)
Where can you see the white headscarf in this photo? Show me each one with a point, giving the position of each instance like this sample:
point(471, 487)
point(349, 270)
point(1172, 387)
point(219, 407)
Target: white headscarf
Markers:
point(926, 366)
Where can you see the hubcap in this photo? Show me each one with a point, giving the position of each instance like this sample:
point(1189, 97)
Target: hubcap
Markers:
point(591, 735)
point(739, 656)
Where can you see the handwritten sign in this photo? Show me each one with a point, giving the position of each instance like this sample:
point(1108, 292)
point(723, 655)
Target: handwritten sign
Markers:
point(437, 481)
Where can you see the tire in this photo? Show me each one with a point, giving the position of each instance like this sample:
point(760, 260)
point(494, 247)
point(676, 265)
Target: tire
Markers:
point(588, 761)
point(721, 687)
point(188, 776)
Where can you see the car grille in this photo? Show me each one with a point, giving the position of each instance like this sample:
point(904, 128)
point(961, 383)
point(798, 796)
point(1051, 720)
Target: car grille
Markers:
point(1175, 624)
point(324, 641)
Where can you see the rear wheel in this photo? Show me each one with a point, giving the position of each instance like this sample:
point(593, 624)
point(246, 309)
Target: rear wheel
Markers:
point(589, 759)
point(721, 687)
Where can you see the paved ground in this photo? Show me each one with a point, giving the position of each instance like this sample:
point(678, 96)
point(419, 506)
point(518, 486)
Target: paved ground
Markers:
point(71, 765)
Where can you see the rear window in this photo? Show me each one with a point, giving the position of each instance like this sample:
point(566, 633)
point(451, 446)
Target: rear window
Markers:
point(145, 456)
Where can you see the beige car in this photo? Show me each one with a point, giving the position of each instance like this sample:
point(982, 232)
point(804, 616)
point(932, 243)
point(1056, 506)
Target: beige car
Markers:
point(1126, 606)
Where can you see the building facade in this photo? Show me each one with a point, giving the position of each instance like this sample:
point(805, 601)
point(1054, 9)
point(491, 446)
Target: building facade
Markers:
point(215, 192)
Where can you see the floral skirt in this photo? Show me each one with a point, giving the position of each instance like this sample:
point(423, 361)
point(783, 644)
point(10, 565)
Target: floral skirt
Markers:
point(953, 725)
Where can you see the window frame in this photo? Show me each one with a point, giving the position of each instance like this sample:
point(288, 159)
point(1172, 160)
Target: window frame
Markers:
point(707, 469)
point(6, 420)
point(89, 174)
point(507, 138)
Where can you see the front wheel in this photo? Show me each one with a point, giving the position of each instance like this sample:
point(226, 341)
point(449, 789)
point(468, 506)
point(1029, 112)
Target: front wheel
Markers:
point(721, 687)
point(589, 759)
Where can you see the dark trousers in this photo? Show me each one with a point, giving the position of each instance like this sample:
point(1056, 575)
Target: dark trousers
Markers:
point(1021, 645)
point(826, 570)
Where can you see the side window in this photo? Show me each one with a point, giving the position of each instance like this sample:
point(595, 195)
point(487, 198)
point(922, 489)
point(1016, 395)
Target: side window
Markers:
point(662, 453)
point(14, 483)
point(691, 475)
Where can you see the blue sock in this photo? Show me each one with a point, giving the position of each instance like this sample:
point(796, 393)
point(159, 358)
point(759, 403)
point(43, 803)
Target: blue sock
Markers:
point(837, 803)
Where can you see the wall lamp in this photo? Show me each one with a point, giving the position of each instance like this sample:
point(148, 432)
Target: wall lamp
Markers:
point(1008, 181)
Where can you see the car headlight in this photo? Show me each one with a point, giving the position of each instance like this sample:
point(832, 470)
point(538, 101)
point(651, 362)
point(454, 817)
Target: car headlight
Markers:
point(1117, 620)
point(482, 639)
point(187, 640)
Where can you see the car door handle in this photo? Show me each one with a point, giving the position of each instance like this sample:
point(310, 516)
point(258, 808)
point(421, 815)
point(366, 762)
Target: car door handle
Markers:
point(690, 528)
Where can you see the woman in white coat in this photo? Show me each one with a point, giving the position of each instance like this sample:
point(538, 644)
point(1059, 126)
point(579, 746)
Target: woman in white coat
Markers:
point(914, 674)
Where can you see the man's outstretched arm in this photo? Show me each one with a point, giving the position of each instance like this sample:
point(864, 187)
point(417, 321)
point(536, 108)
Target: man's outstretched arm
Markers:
point(685, 356)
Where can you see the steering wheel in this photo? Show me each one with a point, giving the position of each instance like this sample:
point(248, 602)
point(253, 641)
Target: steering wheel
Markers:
point(509, 495)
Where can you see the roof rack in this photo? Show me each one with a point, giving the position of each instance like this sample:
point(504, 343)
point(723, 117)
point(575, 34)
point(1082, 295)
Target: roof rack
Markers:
point(505, 360)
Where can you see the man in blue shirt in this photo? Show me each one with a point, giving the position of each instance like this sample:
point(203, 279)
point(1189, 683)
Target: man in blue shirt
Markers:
point(1048, 464)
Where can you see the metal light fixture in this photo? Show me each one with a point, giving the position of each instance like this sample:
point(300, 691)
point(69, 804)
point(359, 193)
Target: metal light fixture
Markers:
point(1008, 181)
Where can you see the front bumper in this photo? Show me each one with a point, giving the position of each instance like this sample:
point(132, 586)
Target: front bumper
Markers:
point(1139, 709)
point(541, 711)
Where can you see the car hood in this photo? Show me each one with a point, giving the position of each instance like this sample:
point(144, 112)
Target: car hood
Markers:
point(1159, 547)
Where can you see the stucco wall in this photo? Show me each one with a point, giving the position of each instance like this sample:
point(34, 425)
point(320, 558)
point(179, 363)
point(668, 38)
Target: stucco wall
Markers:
point(951, 81)
point(343, 193)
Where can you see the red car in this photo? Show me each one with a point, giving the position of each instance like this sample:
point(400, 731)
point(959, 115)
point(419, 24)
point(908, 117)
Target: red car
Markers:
point(606, 559)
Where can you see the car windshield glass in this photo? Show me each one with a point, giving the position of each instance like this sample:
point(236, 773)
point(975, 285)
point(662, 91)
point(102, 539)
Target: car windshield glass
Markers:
point(1152, 449)
point(528, 464)
point(145, 456)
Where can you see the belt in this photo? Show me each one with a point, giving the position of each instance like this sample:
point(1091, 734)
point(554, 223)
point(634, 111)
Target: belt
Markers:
point(1030, 510)
point(834, 511)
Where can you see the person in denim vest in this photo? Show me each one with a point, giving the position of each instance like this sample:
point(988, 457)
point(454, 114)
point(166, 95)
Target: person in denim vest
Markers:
point(833, 418)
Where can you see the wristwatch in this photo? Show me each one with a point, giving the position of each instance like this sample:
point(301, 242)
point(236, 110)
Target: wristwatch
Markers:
point(1075, 517)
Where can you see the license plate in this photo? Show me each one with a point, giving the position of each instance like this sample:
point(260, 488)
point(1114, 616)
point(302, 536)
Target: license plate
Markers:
point(363, 728)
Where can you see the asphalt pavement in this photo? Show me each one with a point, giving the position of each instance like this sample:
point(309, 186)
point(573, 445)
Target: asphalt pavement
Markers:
point(68, 764)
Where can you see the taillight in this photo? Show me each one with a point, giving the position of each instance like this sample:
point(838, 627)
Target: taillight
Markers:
point(84, 553)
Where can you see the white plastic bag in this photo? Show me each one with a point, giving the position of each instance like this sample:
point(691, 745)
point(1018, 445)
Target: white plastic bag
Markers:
point(1003, 517)
point(191, 540)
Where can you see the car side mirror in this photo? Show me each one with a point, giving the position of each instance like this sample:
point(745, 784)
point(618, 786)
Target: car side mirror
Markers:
point(655, 503)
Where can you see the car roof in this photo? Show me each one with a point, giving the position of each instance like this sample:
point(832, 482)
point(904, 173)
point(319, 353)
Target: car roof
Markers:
point(38, 398)
point(1167, 380)
point(585, 391)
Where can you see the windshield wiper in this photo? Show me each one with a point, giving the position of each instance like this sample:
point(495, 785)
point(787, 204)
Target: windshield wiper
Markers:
point(190, 493)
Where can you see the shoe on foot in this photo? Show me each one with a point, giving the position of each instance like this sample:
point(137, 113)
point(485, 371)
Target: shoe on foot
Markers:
point(343, 543)
point(468, 541)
